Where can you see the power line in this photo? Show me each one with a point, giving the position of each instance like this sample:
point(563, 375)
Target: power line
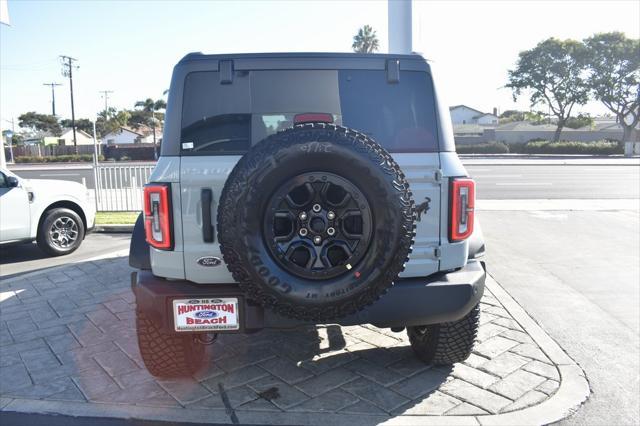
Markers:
point(53, 96)
point(105, 95)
point(67, 71)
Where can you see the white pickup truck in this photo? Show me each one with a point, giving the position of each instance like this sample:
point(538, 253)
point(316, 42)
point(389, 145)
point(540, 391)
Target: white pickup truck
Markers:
point(55, 213)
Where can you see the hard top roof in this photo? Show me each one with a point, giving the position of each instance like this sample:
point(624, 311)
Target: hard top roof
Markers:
point(301, 61)
point(199, 56)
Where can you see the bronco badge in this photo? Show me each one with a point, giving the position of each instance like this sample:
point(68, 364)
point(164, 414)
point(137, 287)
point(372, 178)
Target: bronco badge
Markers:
point(209, 261)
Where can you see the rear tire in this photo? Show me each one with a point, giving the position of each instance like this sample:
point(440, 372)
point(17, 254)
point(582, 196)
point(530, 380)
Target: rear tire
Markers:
point(61, 232)
point(168, 354)
point(448, 342)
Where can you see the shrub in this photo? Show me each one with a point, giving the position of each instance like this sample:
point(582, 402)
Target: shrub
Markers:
point(568, 147)
point(57, 159)
point(484, 148)
point(538, 146)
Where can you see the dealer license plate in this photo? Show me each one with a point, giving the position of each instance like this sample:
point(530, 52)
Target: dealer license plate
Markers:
point(206, 314)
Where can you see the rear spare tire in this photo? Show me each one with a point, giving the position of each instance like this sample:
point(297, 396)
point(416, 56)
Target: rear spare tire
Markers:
point(316, 222)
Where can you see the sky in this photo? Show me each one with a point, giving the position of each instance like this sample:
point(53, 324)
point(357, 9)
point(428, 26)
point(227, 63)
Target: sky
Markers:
point(130, 47)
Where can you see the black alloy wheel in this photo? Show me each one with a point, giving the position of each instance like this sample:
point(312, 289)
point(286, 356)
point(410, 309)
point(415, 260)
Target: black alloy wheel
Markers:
point(318, 225)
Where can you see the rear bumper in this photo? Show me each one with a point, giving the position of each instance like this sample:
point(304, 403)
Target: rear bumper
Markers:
point(415, 301)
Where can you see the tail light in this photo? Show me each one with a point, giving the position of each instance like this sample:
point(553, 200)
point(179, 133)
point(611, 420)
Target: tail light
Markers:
point(157, 215)
point(463, 200)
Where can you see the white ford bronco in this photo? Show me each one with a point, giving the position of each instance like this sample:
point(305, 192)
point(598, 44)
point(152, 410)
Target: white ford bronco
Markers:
point(297, 189)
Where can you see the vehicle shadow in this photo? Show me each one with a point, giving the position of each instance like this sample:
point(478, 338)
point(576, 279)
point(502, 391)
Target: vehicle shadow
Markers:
point(323, 359)
point(16, 253)
point(74, 331)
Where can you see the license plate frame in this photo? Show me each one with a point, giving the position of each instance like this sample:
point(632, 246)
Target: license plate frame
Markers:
point(206, 314)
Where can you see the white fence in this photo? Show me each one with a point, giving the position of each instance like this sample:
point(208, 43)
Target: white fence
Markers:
point(119, 187)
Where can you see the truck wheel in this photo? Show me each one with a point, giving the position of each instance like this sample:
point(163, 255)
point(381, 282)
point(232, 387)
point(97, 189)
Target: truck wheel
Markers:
point(167, 354)
point(61, 232)
point(445, 343)
point(316, 222)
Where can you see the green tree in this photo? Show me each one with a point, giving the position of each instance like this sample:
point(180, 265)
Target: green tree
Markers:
point(40, 122)
point(111, 120)
point(365, 41)
point(511, 115)
point(83, 124)
point(552, 74)
point(149, 117)
point(149, 105)
point(16, 138)
point(582, 120)
point(613, 65)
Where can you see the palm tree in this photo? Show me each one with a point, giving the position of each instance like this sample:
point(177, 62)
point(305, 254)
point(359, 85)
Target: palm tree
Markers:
point(365, 41)
point(150, 106)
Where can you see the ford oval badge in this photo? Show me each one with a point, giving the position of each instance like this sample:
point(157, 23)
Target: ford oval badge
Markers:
point(206, 314)
point(209, 261)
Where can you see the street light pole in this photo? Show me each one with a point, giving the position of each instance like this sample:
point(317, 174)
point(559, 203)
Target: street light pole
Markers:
point(9, 136)
point(105, 94)
point(53, 96)
point(67, 71)
point(400, 22)
point(95, 143)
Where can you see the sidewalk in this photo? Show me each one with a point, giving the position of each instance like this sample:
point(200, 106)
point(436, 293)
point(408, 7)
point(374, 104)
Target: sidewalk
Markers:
point(68, 346)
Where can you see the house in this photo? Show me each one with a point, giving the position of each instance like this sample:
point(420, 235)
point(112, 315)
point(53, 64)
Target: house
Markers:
point(122, 136)
point(128, 135)
point(462, 114)
point(64, 139)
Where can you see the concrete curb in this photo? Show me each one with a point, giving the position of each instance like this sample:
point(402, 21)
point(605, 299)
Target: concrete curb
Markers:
point(572, 392)
point(114, 229)
point(574, 388)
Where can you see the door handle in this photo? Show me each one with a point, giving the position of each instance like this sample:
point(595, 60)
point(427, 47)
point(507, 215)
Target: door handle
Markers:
point(206, 198)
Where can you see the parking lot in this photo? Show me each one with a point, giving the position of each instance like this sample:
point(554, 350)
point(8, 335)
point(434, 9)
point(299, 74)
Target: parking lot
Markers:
point(562, 298)
point(69, 344)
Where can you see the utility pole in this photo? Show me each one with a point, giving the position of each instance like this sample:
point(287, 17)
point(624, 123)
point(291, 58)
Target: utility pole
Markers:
point(105, 95)
point(67, 71)
point(53, 96)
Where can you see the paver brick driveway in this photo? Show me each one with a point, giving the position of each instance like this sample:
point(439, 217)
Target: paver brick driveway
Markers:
point(69, 335)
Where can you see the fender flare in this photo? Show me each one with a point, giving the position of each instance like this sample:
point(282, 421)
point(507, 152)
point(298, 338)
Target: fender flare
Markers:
point(476, 241)
point(139, 250)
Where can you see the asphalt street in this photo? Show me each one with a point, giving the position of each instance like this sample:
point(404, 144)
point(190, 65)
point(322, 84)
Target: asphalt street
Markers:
point(500, 182)
point(577, 273)
point(495, 181)
point(21, 258)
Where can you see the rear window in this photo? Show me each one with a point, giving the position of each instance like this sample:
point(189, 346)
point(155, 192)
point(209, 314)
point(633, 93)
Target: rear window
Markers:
point(229, 118)
point(399, 116)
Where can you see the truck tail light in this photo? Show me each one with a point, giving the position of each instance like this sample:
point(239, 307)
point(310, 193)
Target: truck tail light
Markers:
point(157, 216)
point(463, 200)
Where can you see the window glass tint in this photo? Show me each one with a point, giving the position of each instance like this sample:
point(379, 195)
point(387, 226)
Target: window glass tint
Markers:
point(401, 116)
point(3, 181)
point(229, 118)
point(294, 91)
point(216, 117)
